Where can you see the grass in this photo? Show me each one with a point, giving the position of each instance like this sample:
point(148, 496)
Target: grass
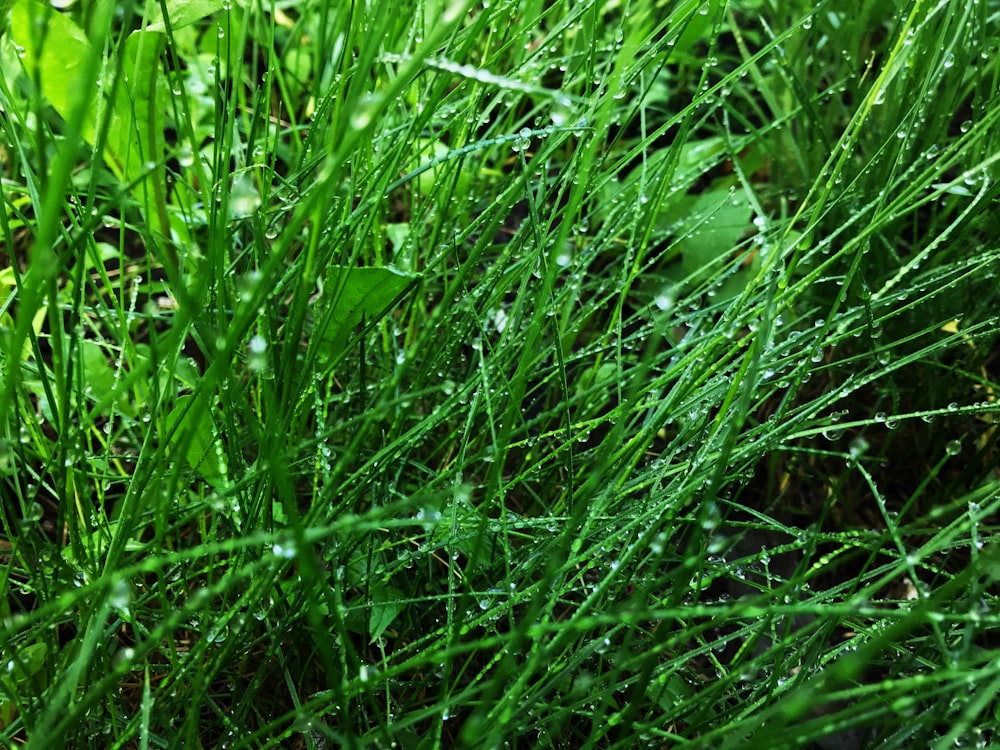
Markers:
point(500, 374)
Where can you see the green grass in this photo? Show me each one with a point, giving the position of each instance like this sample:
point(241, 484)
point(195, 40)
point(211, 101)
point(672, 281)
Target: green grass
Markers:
point(509, 374)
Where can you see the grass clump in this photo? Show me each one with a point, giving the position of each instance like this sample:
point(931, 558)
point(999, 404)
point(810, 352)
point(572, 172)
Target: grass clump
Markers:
point(495, 374)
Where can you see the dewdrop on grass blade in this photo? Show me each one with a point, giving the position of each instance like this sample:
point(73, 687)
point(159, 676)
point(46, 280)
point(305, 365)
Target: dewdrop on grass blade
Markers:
point(257, 354)
point(286, 551)
point(120, 597)
point(523, 141)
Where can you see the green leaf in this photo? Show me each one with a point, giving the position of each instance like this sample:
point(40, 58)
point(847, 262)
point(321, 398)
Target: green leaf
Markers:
point(58, 59)
point(433, 158)
point(353, 294)
point(701, 18)
point(668, 690)
point(386, 606)
point(55, 54)
point(139, 112)
point(717, 221)
point(97, 373)
point(195, 436)
point(182, 13)
point(32, 658)
point(680, 166)
point(19, 672)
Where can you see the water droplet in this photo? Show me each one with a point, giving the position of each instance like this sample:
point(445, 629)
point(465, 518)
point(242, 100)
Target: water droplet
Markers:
point(120, 596)
point(665, 299)
point(363, 113)
point(658, 544)
point(859, 446)
point(123, 658)
point(523, 140)
point(561, 110)
point(243, 198)
point(257, 354)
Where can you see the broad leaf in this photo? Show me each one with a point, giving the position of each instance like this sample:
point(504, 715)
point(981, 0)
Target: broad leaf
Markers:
point(57, 54)
point(196, 437)
point(717, 221)
point(99, 377)
point(20, 672)
point(356, 294)
point(386, 606)
point(139, 111)
point(182, 13)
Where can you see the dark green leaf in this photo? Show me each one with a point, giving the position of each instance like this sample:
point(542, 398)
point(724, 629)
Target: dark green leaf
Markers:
point(353, 294)
point(183, 13)
point(717, 221)
point(196, 436)
point(386, 606)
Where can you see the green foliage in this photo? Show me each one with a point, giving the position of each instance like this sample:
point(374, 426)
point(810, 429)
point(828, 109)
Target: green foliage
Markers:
point(356, 294)
point(190, 429)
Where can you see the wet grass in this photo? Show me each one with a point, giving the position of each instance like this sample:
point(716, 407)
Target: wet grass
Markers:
point(663, 413)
